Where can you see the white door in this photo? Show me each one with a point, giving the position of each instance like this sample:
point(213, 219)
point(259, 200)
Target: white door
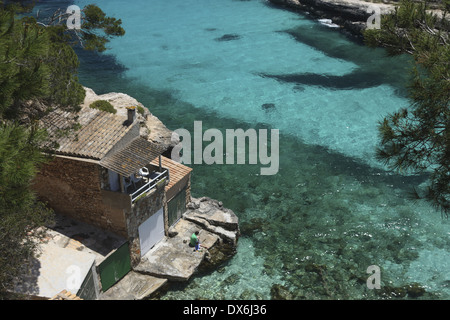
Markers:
point(151, 231)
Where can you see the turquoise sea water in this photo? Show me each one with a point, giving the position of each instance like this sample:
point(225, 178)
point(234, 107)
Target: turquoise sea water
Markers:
point(313, 229)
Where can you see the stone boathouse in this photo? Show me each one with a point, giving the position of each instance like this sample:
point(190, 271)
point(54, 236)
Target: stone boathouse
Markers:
point(124, 210)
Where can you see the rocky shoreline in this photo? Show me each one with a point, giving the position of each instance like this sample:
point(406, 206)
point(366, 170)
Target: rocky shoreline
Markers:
point(350, 15)
point(175, 260)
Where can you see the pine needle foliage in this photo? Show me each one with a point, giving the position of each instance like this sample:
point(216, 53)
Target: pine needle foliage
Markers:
point(417, 138)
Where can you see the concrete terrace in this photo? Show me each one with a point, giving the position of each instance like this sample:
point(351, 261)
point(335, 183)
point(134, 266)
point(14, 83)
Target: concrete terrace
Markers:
point(172, 259)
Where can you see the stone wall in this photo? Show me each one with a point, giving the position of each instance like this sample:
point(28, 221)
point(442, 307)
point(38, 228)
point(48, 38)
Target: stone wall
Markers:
point(72, 187)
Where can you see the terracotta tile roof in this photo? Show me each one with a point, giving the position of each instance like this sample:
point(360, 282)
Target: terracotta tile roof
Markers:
point(135, 155)
point(99, 132)
point(177, 171)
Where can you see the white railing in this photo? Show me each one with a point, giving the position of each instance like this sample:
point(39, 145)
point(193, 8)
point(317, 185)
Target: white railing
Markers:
point(149, 185)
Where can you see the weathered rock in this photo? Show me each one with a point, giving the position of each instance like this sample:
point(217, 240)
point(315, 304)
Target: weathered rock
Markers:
point(194, 204)
point(228, 236)
point(172, 232)
point(413, 290)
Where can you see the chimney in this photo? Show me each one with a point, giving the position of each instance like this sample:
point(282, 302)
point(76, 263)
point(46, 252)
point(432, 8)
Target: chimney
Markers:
point(131, 113)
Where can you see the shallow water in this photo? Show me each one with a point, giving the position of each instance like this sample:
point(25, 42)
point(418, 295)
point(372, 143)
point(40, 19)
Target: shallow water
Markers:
point(332, 210)
point(326, 90)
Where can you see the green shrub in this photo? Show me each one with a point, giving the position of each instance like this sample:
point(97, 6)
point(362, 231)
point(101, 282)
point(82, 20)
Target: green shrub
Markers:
point(140, 110)
point(103, 105)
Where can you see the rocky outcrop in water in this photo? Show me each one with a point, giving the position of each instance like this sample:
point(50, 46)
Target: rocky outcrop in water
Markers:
point(268, 106)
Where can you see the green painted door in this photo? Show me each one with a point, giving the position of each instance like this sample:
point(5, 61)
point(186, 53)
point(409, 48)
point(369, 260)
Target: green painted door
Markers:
point(177, 206)
point(115, 267)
